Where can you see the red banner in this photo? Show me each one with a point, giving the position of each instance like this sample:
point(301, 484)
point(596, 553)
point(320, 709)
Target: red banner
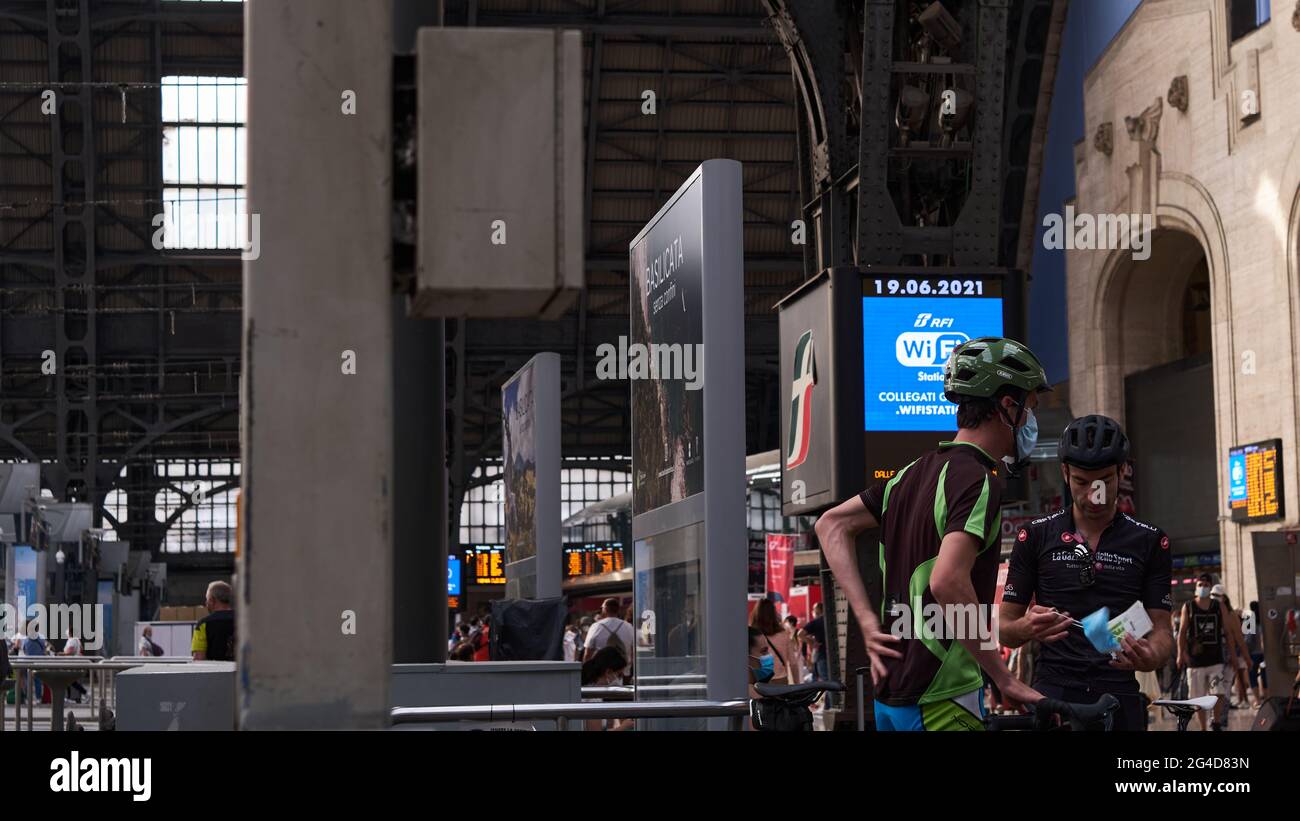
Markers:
point(780, 563)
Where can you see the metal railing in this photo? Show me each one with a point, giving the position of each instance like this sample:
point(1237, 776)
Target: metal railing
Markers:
point(735, 711)
point(100, 675)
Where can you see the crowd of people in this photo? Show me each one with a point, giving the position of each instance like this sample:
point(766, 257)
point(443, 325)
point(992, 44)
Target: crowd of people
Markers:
point(798, 653)
point(584, 635)
point(471, 640)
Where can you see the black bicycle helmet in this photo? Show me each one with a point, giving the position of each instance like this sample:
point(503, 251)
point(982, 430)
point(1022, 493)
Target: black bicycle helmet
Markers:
point(1092, 442)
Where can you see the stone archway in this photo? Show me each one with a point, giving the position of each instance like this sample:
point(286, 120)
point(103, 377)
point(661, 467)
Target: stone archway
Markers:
point(1139, 312)
point(1155, 323)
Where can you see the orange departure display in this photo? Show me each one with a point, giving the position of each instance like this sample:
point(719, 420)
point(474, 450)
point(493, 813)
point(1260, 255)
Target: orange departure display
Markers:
point(593, 559)
point(1255, 481)
point(488, 562)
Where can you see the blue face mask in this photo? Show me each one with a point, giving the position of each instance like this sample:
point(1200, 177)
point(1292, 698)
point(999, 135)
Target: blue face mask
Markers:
point(1027, 435)
point(1026, 439)
point(766, 669)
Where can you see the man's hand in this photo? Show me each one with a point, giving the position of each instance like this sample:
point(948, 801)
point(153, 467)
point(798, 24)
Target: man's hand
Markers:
point(1017, 692)
point(1045, 624)
point(880, 645)
point(1136, 654)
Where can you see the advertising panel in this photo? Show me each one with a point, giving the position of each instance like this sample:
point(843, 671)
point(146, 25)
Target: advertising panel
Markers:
point(663, 361)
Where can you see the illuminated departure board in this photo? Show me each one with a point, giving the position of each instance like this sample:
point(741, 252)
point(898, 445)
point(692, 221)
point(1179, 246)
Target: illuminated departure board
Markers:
point(488, 563)
point(1255, 481)
point(592, 559)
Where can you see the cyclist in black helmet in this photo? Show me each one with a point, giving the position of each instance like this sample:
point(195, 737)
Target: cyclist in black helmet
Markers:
point(1077, 560)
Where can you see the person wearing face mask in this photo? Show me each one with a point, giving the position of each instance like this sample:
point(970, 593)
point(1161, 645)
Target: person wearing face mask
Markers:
point(605, 668)
point(1205, 648)
point(940, 523)
point(762, 664)
point(1079, 559)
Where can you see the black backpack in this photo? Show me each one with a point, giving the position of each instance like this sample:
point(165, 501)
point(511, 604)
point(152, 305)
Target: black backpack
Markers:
point(154, 648)
point(616, 641)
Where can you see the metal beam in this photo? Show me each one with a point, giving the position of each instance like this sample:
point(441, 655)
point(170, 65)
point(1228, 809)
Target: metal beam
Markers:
point(626, 25)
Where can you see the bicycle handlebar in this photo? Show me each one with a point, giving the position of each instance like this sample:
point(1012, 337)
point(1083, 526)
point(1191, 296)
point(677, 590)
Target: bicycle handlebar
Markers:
point(1078, 717)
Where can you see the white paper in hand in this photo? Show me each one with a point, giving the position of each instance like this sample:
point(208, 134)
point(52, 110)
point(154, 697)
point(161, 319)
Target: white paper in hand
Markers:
point(1133, 621)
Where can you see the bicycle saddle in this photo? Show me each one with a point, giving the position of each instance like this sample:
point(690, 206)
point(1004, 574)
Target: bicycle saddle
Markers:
point(1190, 705)
point(792, 691)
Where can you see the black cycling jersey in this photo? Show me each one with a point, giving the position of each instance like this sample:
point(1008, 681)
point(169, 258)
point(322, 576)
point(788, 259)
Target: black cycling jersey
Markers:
point(1131, 562)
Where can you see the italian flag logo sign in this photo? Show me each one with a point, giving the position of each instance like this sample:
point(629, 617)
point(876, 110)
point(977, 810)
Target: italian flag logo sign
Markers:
point(805, 377)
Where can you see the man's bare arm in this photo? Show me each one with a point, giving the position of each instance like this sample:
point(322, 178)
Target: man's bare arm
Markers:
point(1181, 649)
point(952, 588)
point(1020, 623)
point(837, 530)
point(1162, 639)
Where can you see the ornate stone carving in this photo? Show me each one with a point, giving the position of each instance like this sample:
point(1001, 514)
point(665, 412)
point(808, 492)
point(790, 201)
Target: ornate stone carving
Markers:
point(1178, 93)
point(1104, 139)
point(1145, 127)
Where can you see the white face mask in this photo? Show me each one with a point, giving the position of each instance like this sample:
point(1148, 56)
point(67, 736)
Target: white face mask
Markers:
point(1202, 592)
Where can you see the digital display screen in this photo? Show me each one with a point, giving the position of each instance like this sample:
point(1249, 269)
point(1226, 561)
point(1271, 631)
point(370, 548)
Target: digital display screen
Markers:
point(593, 559)
point(1255, 481)
point(910, 326)
point(488, 562)
point(453, 576)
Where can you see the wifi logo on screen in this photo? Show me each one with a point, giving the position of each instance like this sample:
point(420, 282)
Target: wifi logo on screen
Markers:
point(927, 349)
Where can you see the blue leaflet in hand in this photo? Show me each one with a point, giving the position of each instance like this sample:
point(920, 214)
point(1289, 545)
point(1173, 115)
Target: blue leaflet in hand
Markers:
point(1097, 628)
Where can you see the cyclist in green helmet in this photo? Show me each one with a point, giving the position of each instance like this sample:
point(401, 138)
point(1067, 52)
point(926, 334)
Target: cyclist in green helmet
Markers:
point(940, 522)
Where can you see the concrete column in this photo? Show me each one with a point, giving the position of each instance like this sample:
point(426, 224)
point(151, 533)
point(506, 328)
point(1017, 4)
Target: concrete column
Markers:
point(419, 489)
point(420, 532)
point(316, 550)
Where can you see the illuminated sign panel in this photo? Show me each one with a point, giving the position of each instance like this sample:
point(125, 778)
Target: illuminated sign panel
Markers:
point(910, 326)
point(453, 576)
point(1255, 481)
point(488, 563)
point(911, 323)
point(593, 559)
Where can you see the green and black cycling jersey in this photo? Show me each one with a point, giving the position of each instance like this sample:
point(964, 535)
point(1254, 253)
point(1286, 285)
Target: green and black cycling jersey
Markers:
point(953, 489)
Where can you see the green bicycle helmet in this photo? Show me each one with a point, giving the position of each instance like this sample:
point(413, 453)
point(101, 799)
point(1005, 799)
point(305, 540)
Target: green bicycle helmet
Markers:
point(982, 367)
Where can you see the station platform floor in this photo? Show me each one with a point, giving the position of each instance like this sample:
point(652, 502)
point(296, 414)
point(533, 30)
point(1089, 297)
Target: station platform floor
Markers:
point(85, 717)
